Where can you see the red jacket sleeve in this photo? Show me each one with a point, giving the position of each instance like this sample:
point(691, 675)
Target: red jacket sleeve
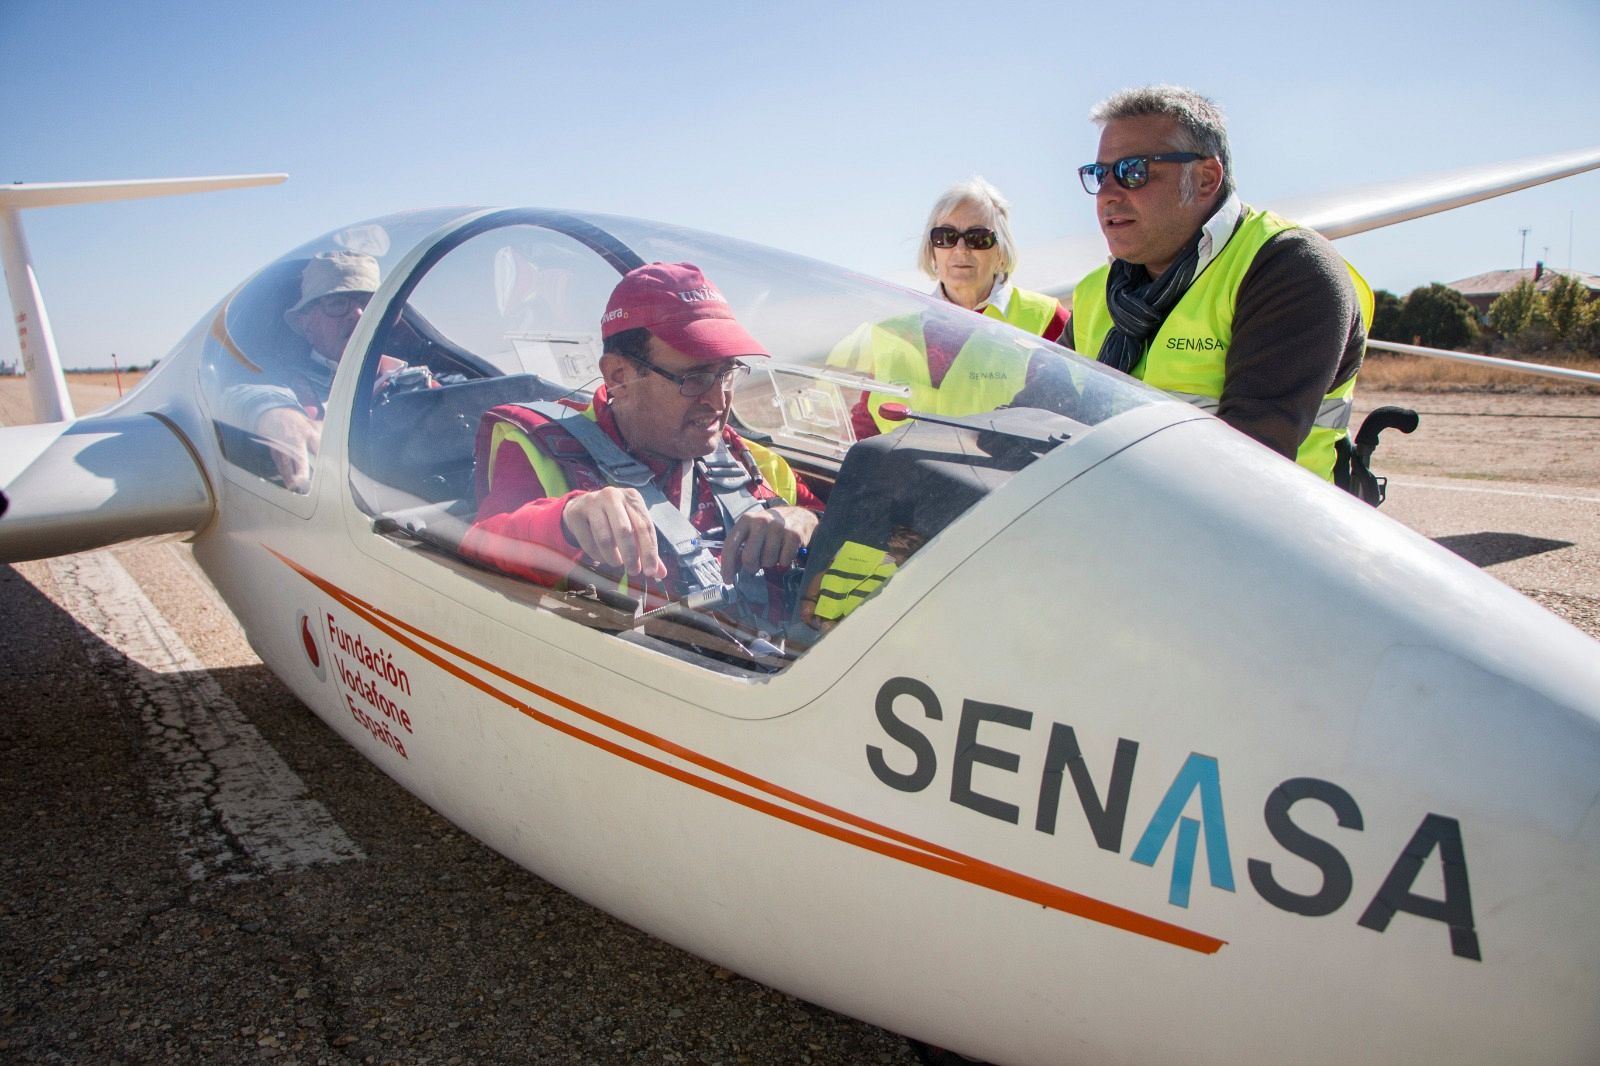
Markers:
point(518, 528)
point(1057, 325)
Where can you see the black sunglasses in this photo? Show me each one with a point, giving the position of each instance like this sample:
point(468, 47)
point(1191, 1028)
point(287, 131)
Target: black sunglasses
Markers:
point(1130, 171)
point(699, 382)
point(978, 238)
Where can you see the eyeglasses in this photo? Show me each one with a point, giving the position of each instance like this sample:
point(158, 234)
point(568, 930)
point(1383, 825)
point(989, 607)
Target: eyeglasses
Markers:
point(1130, 171)
point(699, 382)
point(341, 304)
point(978, 238)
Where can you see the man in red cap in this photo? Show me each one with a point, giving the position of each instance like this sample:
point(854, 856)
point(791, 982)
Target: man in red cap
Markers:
point(647, 499)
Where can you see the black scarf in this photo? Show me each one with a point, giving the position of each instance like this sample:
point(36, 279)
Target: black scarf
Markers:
point(1139, 304)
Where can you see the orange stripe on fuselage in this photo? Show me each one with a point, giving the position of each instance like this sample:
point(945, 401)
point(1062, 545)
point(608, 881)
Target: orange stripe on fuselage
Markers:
point(897, 845)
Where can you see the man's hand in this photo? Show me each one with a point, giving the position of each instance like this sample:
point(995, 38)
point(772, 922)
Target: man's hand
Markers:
point(294, 440)
point(767, 538)
point(612, 526)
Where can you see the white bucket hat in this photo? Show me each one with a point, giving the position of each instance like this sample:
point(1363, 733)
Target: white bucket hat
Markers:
point(334, 272)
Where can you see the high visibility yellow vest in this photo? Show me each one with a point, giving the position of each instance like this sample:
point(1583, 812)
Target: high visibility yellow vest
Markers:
point(776, 472)
point(1031, 311)
point(774, 469)
point(983, 376)
point(1188, 355)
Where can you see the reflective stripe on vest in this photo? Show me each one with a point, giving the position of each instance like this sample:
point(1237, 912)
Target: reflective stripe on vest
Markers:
point(1334, 413)
point(857, 572)
point(1188, 356)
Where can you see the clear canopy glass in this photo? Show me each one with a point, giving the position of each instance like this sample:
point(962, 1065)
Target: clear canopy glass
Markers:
point(478, 308)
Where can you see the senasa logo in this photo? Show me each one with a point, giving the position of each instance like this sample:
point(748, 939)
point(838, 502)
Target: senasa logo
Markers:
point(1436, 842)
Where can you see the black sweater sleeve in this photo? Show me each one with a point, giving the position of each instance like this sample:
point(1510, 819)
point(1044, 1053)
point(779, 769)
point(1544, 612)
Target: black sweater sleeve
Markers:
point(1297, 332)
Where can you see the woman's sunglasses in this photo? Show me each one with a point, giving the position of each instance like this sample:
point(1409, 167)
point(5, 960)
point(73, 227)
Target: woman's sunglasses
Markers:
point(978, 238)
point(1130, 171)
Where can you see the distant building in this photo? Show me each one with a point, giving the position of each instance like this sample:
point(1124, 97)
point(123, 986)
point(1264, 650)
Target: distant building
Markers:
point(1482, 290)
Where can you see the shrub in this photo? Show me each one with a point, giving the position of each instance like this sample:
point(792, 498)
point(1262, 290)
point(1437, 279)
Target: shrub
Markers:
point(1439, 315)
point(1386, 324)
point(1515, 310)
point(1567, 305)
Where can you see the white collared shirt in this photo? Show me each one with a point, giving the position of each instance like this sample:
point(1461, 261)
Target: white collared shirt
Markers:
point(1218, 230)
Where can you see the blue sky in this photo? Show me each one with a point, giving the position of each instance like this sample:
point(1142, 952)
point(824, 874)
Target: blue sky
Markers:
point(826, 129)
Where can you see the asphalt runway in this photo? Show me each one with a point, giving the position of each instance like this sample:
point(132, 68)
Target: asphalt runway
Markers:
point(196, 870)
point(144, 921)
point(1508, 481)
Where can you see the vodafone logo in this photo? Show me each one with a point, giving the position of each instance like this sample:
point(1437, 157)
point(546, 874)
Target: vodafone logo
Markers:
point(313, 650)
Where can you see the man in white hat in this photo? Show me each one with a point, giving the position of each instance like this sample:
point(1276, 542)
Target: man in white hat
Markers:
point(334, 290)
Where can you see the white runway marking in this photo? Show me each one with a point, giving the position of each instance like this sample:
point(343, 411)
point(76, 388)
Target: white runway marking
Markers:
point(237, 809)
point(1409, 484)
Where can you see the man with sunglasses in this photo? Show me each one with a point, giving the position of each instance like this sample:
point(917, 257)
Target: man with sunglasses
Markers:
point(1233, 308)
point(667, 478)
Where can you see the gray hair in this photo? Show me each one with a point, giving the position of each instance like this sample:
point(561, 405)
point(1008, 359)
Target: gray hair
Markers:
point(1201, 126)
point(997, 215)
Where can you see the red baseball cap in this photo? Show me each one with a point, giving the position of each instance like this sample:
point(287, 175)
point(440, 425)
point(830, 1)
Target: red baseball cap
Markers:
point(675, 302)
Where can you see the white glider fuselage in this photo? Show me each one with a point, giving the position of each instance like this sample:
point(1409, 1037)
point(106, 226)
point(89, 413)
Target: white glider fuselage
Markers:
point(1162, 750)
point(1225, 644)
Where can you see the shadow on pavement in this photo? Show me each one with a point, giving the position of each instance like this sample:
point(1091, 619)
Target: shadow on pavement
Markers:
point(1486, 549)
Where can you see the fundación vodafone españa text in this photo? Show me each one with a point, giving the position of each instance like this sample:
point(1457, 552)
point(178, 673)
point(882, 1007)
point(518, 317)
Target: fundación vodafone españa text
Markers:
point(373, 685)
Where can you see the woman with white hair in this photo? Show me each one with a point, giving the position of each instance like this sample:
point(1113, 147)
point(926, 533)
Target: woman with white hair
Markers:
point(942, 359)
point(970, 253)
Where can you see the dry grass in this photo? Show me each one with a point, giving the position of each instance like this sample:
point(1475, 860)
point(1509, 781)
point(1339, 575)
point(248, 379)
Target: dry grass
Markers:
point(130, 378)
point(1415, 373)
point(1381, 371)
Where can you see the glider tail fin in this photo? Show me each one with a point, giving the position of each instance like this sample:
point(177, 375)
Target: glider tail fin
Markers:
point(47, 385)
